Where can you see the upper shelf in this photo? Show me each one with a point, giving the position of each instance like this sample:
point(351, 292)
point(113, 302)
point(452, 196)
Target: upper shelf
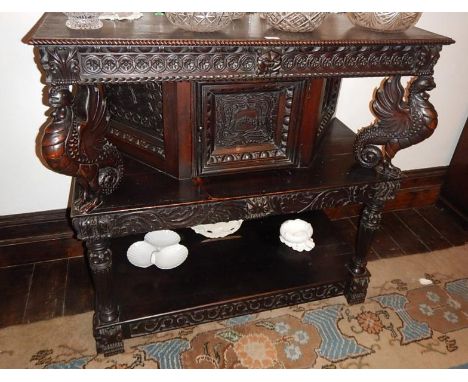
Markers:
point(248, 31)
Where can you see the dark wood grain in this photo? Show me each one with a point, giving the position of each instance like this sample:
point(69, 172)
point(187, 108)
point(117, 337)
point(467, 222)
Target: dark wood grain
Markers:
point(348, 230)
point(43, 250)
point(426, 233)
point(444, 223)
point(15, 283)
point(79, 294)
point(46, 298)
point(250, 262)
point(407, 241)
point(157, 30)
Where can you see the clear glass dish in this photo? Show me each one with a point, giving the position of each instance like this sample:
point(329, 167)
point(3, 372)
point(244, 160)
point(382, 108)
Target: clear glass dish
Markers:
point(83, 20)
point(294, 21)
point(201, 21)
point(384, 21)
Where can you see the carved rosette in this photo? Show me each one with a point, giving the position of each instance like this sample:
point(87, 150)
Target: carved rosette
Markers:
point(400, 123)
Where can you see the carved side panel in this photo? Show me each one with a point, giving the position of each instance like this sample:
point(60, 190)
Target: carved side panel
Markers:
point(246, 126)
point(139, 110)
point(332, 90)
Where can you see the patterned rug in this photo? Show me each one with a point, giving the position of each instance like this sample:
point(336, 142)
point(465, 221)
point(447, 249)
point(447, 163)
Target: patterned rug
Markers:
point(402, 324)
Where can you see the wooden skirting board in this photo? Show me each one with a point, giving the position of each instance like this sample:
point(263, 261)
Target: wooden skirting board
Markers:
point(47, 235)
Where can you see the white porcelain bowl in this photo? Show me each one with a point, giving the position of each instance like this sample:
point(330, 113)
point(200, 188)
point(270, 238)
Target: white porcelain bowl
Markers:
point(297, 234)
point(140, 254)
point(162, 238)
point(170, 257)
point(217, 230)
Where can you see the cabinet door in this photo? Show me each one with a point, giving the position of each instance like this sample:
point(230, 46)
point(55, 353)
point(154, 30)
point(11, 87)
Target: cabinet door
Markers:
point(246, 126)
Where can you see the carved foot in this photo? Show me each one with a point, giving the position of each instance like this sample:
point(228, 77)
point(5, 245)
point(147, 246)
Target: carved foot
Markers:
point(109, 340)
point(86, 204)
point(356, 288)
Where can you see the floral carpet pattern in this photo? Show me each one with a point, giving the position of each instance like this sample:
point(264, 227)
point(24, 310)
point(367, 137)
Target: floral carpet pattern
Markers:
point(402, 324)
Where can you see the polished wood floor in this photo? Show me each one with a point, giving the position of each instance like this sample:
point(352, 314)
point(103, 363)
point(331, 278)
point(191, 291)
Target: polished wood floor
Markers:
point(44, 290)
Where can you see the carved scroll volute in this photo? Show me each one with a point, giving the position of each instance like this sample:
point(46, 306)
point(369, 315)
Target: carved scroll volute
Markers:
point(400, 123)
point(73, 143)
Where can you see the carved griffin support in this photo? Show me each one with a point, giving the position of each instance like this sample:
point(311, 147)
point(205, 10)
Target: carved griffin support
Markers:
point(400, 122)
point(73, 142)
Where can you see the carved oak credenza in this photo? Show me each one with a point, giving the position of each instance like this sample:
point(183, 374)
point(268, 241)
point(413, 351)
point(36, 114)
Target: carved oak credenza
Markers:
point(162, 128)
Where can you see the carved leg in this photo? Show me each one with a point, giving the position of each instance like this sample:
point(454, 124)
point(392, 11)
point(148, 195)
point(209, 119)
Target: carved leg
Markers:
point(108, 339)
point(356, 289)
point(399, 123)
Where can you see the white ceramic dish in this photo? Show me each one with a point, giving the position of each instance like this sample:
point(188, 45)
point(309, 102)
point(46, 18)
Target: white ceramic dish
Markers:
point(297, 234)
point(170, 257)
point(140, 254)
point(162, 238)
point(217, 230)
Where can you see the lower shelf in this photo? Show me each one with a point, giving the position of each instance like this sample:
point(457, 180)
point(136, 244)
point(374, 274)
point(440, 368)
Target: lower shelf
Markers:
point(249, 271)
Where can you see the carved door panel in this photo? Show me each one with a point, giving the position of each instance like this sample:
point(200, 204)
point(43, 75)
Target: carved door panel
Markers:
point(246, 126)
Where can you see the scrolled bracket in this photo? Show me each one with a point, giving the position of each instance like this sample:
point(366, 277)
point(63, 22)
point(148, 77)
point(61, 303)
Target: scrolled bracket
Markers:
point(401, 121)
point(73, 142)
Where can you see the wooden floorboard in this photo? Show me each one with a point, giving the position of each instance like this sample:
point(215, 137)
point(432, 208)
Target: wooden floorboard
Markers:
point(15, 283)
point(408, 242)
point(426, 233)
point(79, 294)
point(444, 223)
point(46, 298)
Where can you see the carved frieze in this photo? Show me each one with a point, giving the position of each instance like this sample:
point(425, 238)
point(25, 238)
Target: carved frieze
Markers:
point(133, 222)
point(236, 308)
point(134, 63)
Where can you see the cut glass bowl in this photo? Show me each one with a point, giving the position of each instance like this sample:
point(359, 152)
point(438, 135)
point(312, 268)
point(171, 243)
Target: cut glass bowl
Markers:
point(295, 21)
point(384, 21)
point(201, 21)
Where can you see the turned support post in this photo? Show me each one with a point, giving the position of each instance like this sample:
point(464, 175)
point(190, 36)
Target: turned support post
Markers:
point(100, 262)
point(109, 340)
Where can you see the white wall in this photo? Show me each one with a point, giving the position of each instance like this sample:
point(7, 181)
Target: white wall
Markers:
point(27, 186)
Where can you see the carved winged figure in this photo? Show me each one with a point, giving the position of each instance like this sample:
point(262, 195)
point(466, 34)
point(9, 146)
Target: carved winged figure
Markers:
point(400, 122)
point(73, 143)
